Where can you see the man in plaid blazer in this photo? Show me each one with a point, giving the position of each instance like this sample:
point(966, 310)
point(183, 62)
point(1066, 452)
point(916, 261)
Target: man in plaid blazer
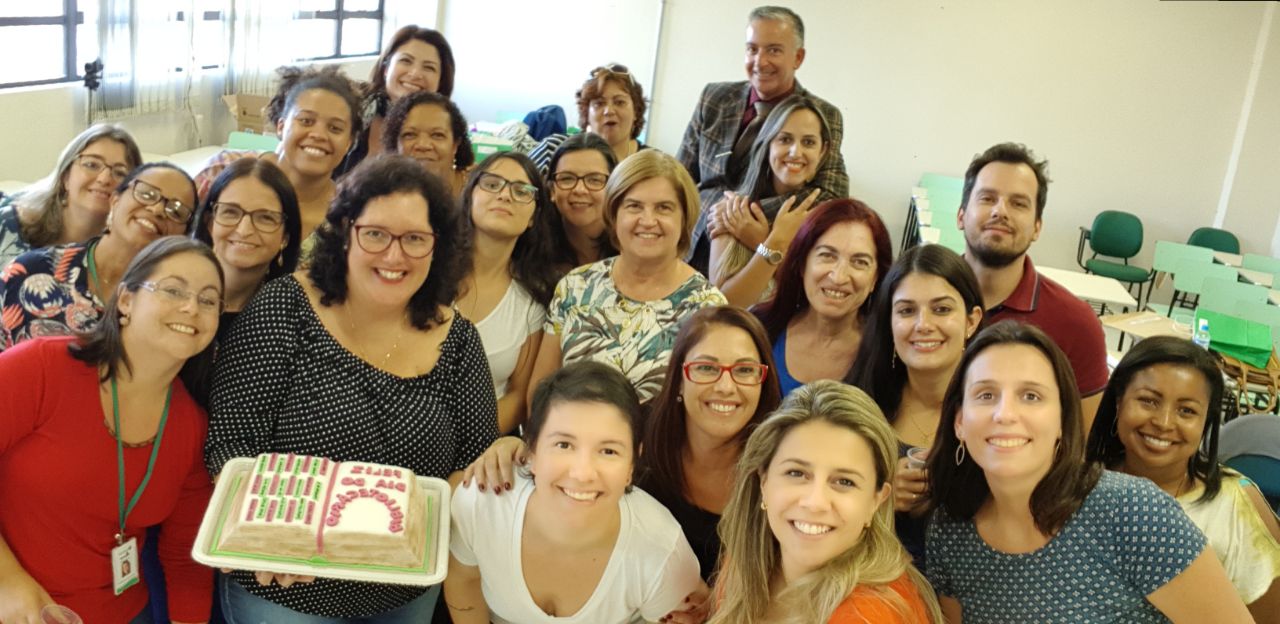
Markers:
point(775, 50)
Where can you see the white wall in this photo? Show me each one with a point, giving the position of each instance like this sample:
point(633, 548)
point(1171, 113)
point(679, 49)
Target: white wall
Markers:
point(1134, 102)
point(37, 122)
point(515, 56)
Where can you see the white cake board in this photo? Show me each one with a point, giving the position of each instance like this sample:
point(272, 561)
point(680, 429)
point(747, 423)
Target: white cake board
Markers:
point(242, 466)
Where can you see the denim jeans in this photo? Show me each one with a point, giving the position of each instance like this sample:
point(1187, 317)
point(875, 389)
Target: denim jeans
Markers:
point(241, 607)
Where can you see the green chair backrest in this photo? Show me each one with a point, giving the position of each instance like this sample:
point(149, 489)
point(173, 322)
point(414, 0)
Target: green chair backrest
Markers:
point(1116, 234)
point(250, 141)
point(1226, 295)
point(1215, 239)
point(1189, 275)
point(1264, 313)
point(1169, 253)
point(1266, 264)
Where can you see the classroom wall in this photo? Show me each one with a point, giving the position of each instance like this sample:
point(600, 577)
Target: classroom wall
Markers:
point(1134, 102)
point(37, 122)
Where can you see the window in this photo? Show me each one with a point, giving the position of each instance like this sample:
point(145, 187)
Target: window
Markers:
point(329, 29)
point(46, 41)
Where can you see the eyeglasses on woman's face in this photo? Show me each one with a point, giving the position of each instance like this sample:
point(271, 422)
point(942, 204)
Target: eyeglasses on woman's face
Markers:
point(375, 240)
point(149, 195)
point(494, 183)
point(230, 215)
point(743, 373)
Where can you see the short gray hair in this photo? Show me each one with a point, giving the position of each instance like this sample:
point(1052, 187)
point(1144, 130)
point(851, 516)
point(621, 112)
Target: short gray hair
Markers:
point(780, 14)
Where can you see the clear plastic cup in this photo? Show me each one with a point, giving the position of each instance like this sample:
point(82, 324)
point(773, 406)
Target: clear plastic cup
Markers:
point(917, 457)
point(58, 614)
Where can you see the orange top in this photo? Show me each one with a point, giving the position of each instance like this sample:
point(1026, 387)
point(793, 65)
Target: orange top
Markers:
point(865, 606)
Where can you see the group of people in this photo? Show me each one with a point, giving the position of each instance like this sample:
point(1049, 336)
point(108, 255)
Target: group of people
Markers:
point(695, 388)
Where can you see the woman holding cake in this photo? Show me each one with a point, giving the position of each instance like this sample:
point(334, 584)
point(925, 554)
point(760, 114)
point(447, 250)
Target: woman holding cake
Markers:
point(358, 357)
point(100, 441)
point(618, 554)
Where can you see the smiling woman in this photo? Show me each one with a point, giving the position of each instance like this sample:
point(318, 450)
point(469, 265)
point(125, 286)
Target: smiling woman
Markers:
point(808, 532)
point(1015, 498)
point(69, 205)
point(61, 290)
point(430, 128)
point(1159, 418)
point(102, 404)
point(359, 357)
point(626, 310)
point(621, 555)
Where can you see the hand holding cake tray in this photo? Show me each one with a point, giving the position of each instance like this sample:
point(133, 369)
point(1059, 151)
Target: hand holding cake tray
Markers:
point(307, 515)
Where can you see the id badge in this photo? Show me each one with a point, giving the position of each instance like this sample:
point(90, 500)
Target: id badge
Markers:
point(124, 565)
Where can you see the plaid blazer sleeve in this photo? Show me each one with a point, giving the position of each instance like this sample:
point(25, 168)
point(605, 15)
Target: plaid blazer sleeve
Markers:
point(708, 140)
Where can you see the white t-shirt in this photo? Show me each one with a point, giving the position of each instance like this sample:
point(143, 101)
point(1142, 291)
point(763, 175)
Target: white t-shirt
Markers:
point(650, 572)
point(505, 330)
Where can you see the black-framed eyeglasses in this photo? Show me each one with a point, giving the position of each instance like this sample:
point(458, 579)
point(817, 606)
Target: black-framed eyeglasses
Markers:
point(374, 240)
point(94, 165)
point(149, 195)
point(174, 293)
point(230, 215)
point(742, 373)
point(565, 181)
point(494, 183)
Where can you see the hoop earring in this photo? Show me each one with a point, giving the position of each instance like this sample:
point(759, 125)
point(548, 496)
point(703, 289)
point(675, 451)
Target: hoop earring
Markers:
point(893, 359)
point(1115, 424)
point(960, 453)
point(1057, 446)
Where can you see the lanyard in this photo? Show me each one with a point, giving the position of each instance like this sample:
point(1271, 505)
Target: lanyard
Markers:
point(93, 272)
point(151, 464)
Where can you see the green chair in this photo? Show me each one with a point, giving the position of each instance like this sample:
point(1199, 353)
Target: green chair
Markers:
point(1189, 277)
point(1215, 239)
point(1222, 295)
point(1168, 255)
point(250, 141)
point(1117, 235)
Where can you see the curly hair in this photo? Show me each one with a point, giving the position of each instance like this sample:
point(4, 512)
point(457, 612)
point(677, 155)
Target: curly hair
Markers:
point(463, 156)
point(378, 177)
point(594, 88)
point(294, 81)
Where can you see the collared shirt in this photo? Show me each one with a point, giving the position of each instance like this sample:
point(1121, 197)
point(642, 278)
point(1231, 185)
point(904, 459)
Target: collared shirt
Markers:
point(1067, 319)
point(749, 112)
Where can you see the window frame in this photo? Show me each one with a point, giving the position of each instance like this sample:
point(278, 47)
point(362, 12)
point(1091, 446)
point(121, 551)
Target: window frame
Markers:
point(70, 19)
point(338, 15)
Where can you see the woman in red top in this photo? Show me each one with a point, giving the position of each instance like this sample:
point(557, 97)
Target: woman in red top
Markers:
point(808, 534)
point(98, 441)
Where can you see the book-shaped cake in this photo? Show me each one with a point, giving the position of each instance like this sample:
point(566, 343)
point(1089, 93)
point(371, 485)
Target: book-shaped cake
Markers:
point(326, 512)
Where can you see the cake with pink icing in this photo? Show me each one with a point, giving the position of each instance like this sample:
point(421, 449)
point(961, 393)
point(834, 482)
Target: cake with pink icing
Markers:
point(326, 512)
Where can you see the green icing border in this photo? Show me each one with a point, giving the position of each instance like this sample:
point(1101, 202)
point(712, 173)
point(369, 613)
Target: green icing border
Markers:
point(432, 533)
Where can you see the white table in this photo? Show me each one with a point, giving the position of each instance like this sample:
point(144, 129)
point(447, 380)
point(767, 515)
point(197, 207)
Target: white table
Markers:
point(1091, 287)
point(1256, 277)
point(1227, 258)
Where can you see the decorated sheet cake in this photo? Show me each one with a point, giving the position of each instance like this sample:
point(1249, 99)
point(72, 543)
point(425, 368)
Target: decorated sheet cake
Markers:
point(333, 518)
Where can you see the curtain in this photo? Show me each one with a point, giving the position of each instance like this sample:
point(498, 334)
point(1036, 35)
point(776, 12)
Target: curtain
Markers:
point(146, 56)
point(260, 41)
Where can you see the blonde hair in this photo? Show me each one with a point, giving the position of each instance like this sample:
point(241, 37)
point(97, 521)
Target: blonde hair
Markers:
point(645, 165)
point(42, 203)
point(750, 556)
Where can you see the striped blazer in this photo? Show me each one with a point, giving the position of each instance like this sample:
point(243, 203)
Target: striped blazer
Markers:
point(709, 138)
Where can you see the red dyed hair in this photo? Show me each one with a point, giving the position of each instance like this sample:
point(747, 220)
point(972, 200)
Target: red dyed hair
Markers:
point(789, 298)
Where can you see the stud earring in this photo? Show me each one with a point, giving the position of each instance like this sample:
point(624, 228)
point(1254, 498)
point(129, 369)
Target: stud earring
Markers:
point(124, 320)
point(763, 507)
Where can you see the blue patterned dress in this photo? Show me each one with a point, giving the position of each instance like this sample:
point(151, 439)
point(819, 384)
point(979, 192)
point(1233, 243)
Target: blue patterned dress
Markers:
point(593, 321)
point(1127, 540)
point(45, 292)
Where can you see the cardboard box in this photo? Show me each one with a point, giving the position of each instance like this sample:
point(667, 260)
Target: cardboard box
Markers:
point(248, 112)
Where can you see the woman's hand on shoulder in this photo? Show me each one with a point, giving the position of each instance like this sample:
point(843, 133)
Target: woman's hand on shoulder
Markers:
point(695, 610)
point(495, 468)
point(746, 222)
point(792, 213)
point(21, 599)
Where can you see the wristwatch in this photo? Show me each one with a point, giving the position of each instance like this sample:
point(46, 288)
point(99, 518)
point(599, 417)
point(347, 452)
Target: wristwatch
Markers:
point(772, 256)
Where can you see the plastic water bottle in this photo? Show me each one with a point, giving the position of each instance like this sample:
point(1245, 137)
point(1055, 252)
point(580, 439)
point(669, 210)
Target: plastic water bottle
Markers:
point(1201, 335)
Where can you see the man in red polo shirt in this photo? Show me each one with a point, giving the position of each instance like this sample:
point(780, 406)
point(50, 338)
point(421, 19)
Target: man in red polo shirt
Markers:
point(1005, 189)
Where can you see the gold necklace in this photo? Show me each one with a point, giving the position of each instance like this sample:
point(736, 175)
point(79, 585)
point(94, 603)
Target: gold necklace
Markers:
point(928, 437)
point(352, 332)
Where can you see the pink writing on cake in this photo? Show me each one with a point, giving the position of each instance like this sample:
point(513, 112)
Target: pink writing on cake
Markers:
point(342, 500)
point(377, 471)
